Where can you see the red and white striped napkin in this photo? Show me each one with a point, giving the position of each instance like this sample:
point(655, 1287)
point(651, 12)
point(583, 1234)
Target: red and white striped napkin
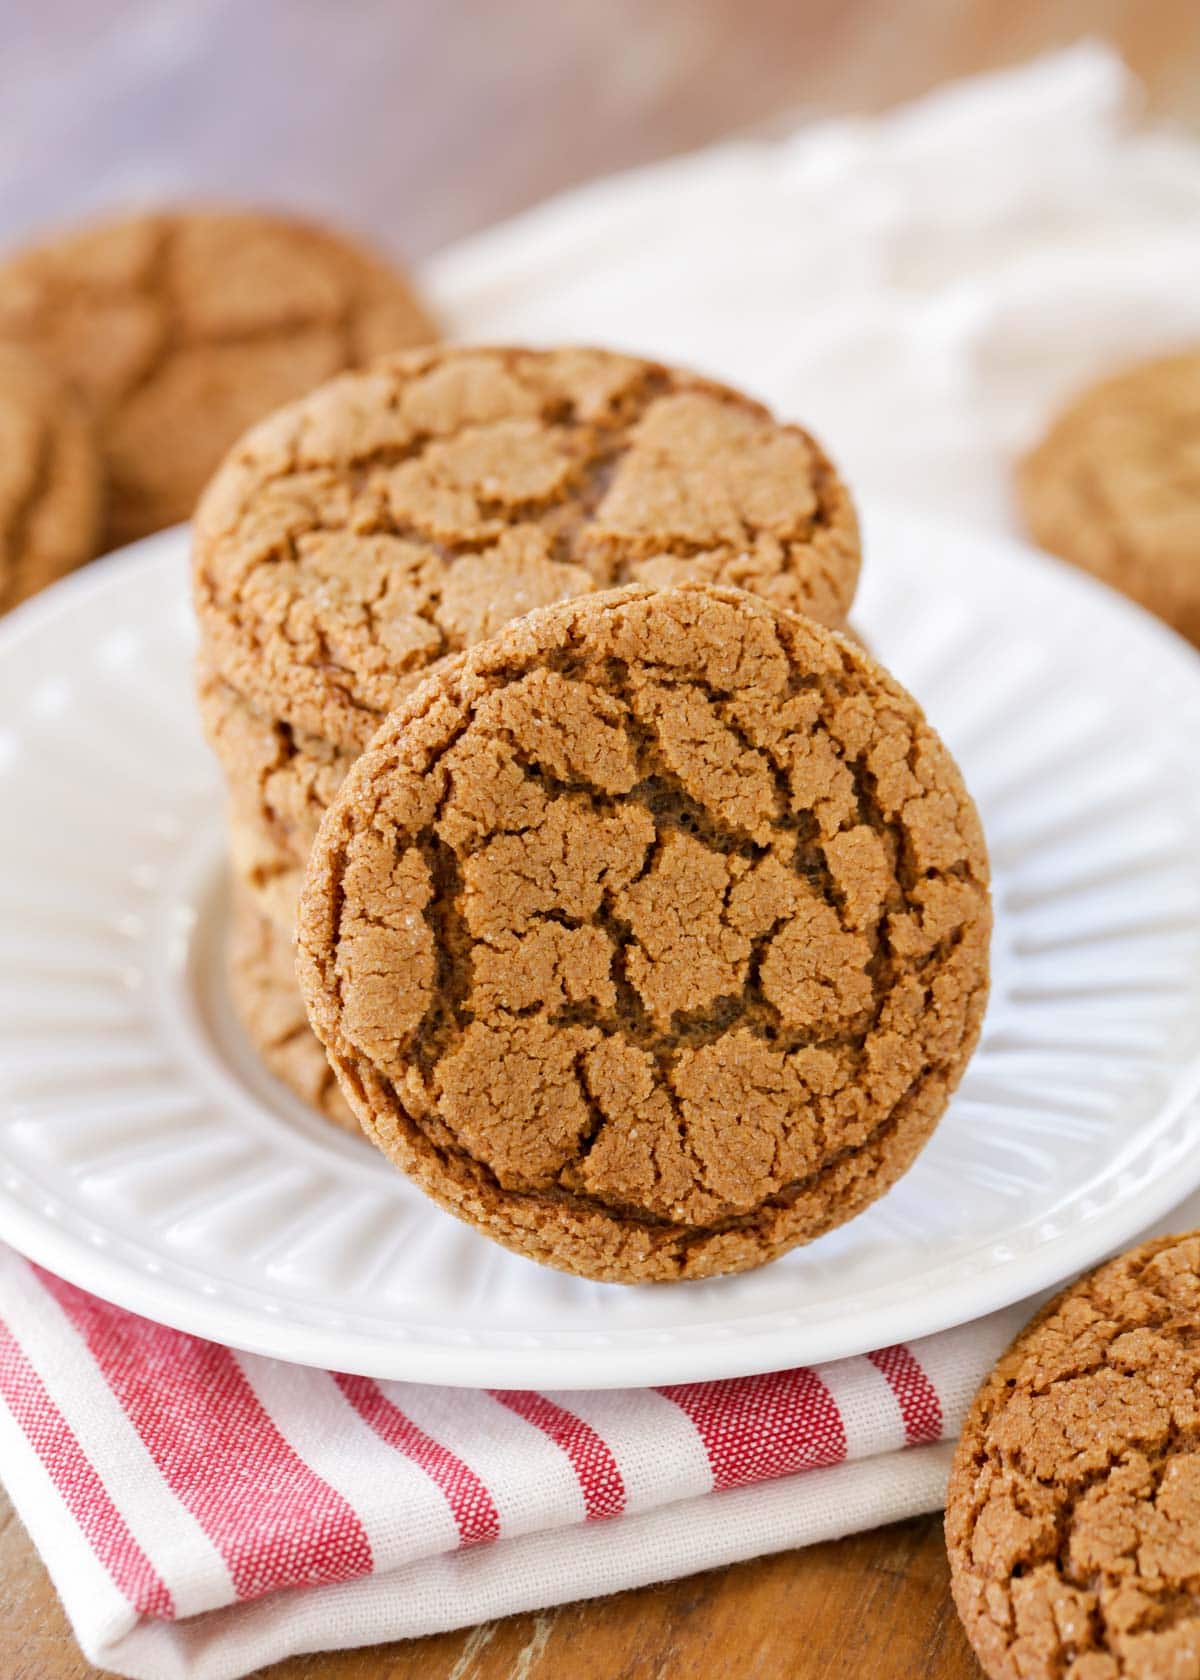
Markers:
point(203, 1512)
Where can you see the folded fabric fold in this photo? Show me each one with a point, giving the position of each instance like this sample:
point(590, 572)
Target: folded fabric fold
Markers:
point(203, 1511)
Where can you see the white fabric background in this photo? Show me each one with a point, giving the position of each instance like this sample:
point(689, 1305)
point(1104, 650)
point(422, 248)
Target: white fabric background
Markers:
point(921, 289)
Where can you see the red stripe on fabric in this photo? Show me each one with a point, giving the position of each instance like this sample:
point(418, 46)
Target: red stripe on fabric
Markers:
point(78, 1485)
point(471, 1504)
point(756, 1428)
point(915, 1394)
point(275, 1522)
point(590, 1456)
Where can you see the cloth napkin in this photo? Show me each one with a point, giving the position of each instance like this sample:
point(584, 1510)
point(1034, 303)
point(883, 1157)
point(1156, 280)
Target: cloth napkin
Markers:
point(204, 1511)
point(920, 289)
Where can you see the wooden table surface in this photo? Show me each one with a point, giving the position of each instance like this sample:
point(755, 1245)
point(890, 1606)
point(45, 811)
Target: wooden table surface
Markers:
point(504, 104)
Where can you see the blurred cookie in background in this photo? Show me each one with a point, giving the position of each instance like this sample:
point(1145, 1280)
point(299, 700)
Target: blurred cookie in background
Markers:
point(1115, 487)
point(181, 328)
point(50, 498)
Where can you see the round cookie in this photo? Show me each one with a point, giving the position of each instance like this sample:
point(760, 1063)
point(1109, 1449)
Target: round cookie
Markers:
point(49, 478)
point(262, 987)
point(1073, 1511)
point(180, 329)
point(650, 936)
point(1115, 487)
point(398, 515)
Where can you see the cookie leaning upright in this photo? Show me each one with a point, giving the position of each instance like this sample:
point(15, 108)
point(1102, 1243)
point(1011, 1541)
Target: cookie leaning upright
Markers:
point(1073, 1511)
point(1115, 487)
point(179, 329)
point(50, 498)
point(650, 937)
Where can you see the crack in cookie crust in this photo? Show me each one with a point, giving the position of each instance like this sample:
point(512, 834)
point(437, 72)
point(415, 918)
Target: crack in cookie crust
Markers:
point(652, 935)
point(279, 783)
point(1073, 1512)
point(396, 516)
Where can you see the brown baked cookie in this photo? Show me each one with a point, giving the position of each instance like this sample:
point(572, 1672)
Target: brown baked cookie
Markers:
point(280, 783)
point(271, 876)
point(262, 986)
point(1073, 1512)
point(183, 328)
point(49, 478)
point(280, 780)
point(398, 515)
point(650, 936)
point(1115, 487)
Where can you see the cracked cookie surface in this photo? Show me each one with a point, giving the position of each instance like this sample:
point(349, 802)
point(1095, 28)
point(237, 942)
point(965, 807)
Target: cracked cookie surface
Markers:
point(181, 329)
point(398, 515)
point(1073, 1512)
point(280, 782)
point(1114, 487)
point(651, 936)
point(262, 986)
point(49, 478)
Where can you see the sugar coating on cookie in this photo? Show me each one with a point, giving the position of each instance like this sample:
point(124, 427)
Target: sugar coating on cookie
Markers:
point(1073, 1512)
point(651, 936)
point(401, 514)
point(49, 478)
point(1115, 487)
point(181, 329)
point(262, 987)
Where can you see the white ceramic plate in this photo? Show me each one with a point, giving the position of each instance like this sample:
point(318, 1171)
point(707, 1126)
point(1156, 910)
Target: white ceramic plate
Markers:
point(145, 1155)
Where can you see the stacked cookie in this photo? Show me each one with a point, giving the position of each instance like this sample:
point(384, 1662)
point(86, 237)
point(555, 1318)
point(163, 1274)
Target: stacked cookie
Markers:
point(397, 516)
point(650, 933)
point(133, 352)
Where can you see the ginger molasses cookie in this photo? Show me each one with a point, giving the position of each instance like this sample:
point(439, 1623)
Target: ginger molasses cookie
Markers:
point(398, 515)
point(49, 478)
point(262, 985)
point(181, 329)
point(280, 783)
point(1115, 487)
point(650, 936)
point(280, 780)
point(269, 873)
point(1073, 1512)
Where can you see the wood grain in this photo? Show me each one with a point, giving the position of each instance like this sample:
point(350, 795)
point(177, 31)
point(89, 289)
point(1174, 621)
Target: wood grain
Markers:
point(501, 105)
point(873, 1605)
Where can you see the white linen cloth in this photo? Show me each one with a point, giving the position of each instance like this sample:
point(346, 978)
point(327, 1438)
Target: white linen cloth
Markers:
point(919, 289)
